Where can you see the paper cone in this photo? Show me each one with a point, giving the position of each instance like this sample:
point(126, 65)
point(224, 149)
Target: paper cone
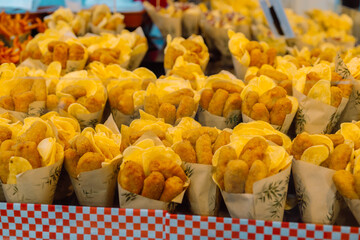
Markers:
point(138, 53)
point(354, 205)
point(284, 128)
point(240, 70)
point(36, 109)
point(86, 119)
point(2, 196)
point(99, 30)
point(190, 23)
point(210, 120)
point(121, 118)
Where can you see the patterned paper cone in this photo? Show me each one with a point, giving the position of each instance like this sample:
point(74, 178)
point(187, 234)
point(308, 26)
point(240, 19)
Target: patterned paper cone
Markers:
point(36, 109)
point(86, 119)
point(121, 118)
point(190, 23)
point(99, 30)
point(240, 70)
point(211, 120)
point(138, 53)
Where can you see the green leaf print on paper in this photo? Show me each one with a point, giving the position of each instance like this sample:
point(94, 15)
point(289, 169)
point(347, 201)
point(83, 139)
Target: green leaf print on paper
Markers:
point(233, 119)
point(333, 120)
point(88, 123)
point(301, 195)
point(356, 97)
point(341, 68)
point(88, 193)
point(15, 190)
point(300, 121)
point(188, 170)
point(171, 207)
point(52, 179)
point(331, 213)
point(129, 196)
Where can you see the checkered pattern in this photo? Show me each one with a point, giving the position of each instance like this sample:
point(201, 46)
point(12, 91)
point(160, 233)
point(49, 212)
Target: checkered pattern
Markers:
point(29, 221)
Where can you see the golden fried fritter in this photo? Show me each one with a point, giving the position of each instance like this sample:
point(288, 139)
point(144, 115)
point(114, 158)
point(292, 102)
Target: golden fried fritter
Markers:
point(281, 108)
point(336, 96)
point(346, 87)
point(168, 168)
point(82, 145)
point(311, 79)
point(272, 73)
point(47, 58)
point(260, 112)
point(4, 164)
point(151, 104)
point(274, 138)
point(36, 133)
point(270, 97)
point(7, 145)
point(191, 57)
point(336, 138)
point(89, 161)
point(166, 143)
point(167, 111)
point(173, 187)
point(52, 45)
point(52, 102)
point(7, 103)
point(253, 45)
point(191, 46)
point(23, 100)
point(71, 159)
point(24, 85)
point(174, 98)
point(222, 139)
point(253, 150)
point(206, 96)
point(287, 85)
point(193, 134)
point(233, 103)
point(257, 172)
point(5, 133)
point(39, 89)
point(65, 102)
point(185, 151)
point(226, 154)
point(76, 52)
point(301, 142)
point(271, 53)
point(131, 177)
point(28, 150)
point(153, 186)
point(135, 135)
point(186, 107)
point(258, 58)
point(60, 54)
point(171, 54)
point(203, 150)
point(217, 103)
point(344, 182)
point(340, 157)
point(125, 104)
point(76, 91)
point(235, 176)
point(227, 86)
point(251, 98)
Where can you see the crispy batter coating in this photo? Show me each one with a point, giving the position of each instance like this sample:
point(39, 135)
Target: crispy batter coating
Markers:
point(253, 45)
point(193, 134)
point(105, 55)
point(167, 111)
point(258, 58)
point(168, 168)
point(135, 135)
point(185, 151)
point(260, 112)
point(270, 97)
point(76, 91)
point(274, 138)
point(36, 133)
point(24, 85)
point(8, 145)
point(226, 154)
point(336, 96)
point(249, 77)
point(82, 145)
point(257, 172)
point(4, 164)
point(52, 45)
point(39, 89)
point(7, 103)
point(340, 157)
point(171, 54)
point(166, 143)
point(344, 182)
point(235, 176)
point(281, 108)
point(191, 57)
point(153, 186)
point(5, 133)
point(173, 187)
point(89, 161)
point(336, 138)
point(271, 53)
point(311, 79)
point(217, 103)
point(125, 104)
point(191, 46)
point(174, 98)
point(47, 58)
point(206, 96)
point(60, 54)
point(186, 107)
point(222, 139)
point(71, 159)
point(272, 73)
point(203, 150)
point(28, 150)
point(251, 98)
point(233, 103)
point(227, 86)
point(131, 177)
point(52, 102)
point(253, 150)
point(65, 102)
point(287, 85)
point(23, 100)
point(151, 104)
point(301, 142)
point(76, 52)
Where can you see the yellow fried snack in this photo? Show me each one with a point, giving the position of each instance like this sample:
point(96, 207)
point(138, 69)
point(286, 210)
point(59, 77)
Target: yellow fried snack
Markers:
point(76, 52)
point(311, 79)
point(235, 176)
point(340, 157)
point(24, 85)
point(270, 97)
point(82, 145)
point(35, 133)
point(251, 45)
point(206, 96)
point(153, 186)
point(186, 107)
point(167, 111)
point(281, 108)
point(171, 55)
point(135, 135)
point(227, 86)
point(185, 151)
point(258, 171)
point(76, 91)
point(344, 182)
point(300, 144)
point(168, 168)
point(357, 183)
point(257, 58)
point(28, 150)
point(260, 112)
point(272, 73)
point(125, 103)
point(193, 134)
point(174, 98)
point(232, 103)
point(7, 103)
point(222, 139)
point(39, 89)
point(217, 103)
point(5, 133)
point(23, 100)
point(274, 138)
point(226, 154)
point(7, 145)
point(131, 177)
point(336, 96)
point(203, 150)
point(71, 159)
point(151, 104)
point(93, 104)
point(4, 164)
point(253, 150)
point(52, 102)
point(336, 138)
point(65, 102)
point(251, 98)
point(89, 161)
point(60, 53)
point(173, 187)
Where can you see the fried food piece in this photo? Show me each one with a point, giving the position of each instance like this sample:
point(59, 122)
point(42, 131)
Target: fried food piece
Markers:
point(36, 133)
point(131, 177)
point(137, 134)
point(4, 164)
point(253, 150)
point(111, 54)
point(24, 85)
point(336, 96)
point(23, 100)
point(76, 91)
point(226, 154)
point(7, 103)
point(28, 150)
point(173, 187)
point(89, 161)
point(193, 134)
point(272, 73)
point(52, 102)
point(153, 186)
point(191, 58)
point(52, 45)
point(249, 77)
point(301, 142)
point(260, 112)
point(47, 58)
point(7, 145)
point(186, 107)
point(257, 58)
point(217, 103)
point(227, 86)
point(151, 104)
point(125, 104)
point(222, 139)
point(287, 85)
point(344, 182)
point(357, 183)
point(94, 104)
point(251, 98)
point(203, 150)
point(61, 53)
point(311, 79)
point(270, 97)
point(5, 133)
point(166, 143)
point(171, 54)
point(340, 157)
point(174, 98)
point(253, 45)
point(257, 172)
point(65, 102)
point(206, 96)
point(167, 111)
point(345, 87)
point(233, 103)
point(107, 59)
point(168, 168)
point(82, 145)
point(71, 159)
point(191, 46)
point(271, 54)
point(281, 108)
point(274, 138)
point(39, 89)
point(185, 151)
point(336, 138)
point(76, 52)
point(235, 176)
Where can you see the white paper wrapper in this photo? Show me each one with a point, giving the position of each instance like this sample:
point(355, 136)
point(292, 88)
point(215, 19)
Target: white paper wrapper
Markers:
point(121, 118)
point(354, 205)
point(99, 30)
point(210, 120)
point(36, 109)
point(240, 70)
point(317, 196)
point(34, 186)
point(2, 196)
point(86, 119)
point(190, 23)
point(284, 128)
point(136, 59)
point(220, 38)
point(33, 64)
point(267, 201)
point(315, 116)
point(203, 193)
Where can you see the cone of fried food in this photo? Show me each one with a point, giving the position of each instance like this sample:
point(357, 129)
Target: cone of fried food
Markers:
point(31, 161)
point(103, 21)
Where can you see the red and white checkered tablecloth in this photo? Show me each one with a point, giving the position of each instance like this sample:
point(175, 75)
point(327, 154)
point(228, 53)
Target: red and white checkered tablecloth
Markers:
point(34, 221)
